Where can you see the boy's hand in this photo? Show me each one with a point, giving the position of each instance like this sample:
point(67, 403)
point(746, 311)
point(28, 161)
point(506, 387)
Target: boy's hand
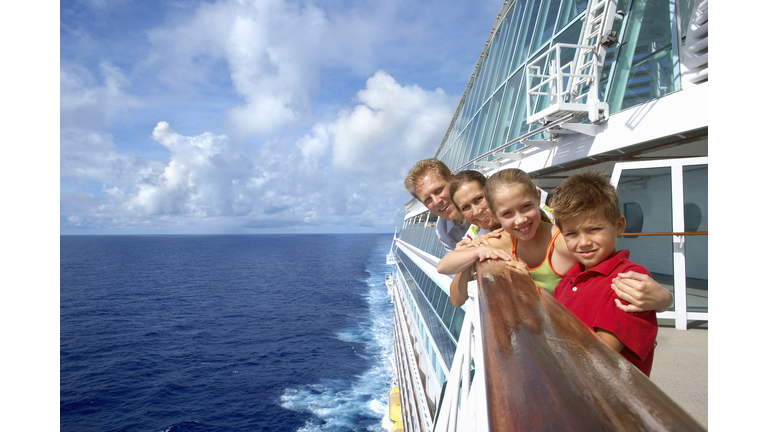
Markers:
point(641, 292)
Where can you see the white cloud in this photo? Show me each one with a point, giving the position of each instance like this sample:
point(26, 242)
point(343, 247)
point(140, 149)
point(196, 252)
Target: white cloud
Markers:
point(344, 174)
point(298, 138)
point(273, 49)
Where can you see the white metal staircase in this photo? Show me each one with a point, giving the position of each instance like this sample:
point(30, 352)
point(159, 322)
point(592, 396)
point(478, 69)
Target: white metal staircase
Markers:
point(556, 89)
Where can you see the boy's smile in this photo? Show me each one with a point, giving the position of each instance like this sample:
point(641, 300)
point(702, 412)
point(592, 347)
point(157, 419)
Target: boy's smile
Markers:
point(591, 239)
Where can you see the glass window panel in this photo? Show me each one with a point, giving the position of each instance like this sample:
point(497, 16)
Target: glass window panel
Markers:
point(695, 196)
point(546, 25)
point(457, 322)
point(471, 97)
point(435, 296)
point(526, 31)
point(504, 53)
point(570, 10)
point(479, 135)
point(651, 190)
point(448, 314)
point(648, 64)
point(505, 116)
point(518, 126)
point(428, 290)
point(685, 13)
point(491, 123)
point(441, 304)
point(481, 82)
point(511, 40)
point(468, 143)
point(493, 60)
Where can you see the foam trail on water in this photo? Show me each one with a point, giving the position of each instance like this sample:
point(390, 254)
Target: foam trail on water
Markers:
point(361, 402)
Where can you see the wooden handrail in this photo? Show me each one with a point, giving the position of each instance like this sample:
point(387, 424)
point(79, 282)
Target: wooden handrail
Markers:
point(692, 233)
point(546, 371)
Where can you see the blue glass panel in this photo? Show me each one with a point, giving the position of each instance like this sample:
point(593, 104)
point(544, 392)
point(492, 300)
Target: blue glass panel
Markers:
point(526, 31)
point(518, 126)
point(696, 198)
point(514, 18)
point(441, 304)
point(480, 127)
point(648, 65)
point(545, 28)
point(497, 46)
point(570, 10)
point(505, 116)
point(457, 322)
point(490, 125)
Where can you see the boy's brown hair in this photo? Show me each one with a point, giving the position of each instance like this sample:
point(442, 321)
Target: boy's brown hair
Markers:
point(421, 168)
point(589, 192)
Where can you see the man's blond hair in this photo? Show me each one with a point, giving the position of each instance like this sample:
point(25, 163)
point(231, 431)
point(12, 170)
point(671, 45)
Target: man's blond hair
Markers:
point(421, 168)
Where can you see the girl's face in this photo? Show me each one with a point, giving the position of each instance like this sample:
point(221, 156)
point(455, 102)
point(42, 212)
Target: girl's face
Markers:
point(518, 212)
point(470, 200)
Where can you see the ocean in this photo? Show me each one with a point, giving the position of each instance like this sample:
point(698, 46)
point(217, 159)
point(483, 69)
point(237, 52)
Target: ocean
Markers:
point(225, 333)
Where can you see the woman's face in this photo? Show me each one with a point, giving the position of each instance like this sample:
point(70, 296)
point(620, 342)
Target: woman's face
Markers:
point(470, 200)
point(518, 212)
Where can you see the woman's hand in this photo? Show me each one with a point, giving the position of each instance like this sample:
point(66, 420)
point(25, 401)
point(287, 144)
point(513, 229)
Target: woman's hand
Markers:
point(641, 292)
point(464, 244)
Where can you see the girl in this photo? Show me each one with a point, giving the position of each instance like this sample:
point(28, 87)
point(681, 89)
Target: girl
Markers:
point(530, 242)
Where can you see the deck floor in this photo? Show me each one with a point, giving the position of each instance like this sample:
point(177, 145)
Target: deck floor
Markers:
point(680, 367)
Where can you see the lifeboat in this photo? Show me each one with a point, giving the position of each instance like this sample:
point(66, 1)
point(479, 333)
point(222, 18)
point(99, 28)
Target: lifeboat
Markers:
point(395, 410)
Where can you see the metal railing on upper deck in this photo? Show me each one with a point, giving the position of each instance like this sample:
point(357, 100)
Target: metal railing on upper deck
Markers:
point(423, 237)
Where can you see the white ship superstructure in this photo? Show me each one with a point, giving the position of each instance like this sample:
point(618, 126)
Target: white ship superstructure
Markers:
point(564, 85)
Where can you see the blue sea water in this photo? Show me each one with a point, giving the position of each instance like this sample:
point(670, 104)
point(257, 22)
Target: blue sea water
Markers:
point(224, 333)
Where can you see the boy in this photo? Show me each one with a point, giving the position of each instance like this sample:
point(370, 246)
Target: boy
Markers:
point(587, 211)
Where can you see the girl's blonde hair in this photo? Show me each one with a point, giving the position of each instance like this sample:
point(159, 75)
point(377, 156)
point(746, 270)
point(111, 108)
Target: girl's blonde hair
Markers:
point(510, 178)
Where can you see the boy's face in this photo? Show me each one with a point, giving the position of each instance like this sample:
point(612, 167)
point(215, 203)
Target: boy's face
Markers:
point(591, 239)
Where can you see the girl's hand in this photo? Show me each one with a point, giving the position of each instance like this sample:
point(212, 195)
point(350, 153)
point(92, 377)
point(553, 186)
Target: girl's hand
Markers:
point(518, 266)
point(485, 252)
point(641, 292)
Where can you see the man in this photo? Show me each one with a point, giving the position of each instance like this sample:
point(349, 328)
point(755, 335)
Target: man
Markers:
point(428, 181)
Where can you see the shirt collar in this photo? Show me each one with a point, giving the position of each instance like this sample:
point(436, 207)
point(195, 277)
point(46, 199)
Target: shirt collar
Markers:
point(605, 268)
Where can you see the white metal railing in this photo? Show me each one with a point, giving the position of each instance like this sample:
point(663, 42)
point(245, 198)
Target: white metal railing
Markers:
point(548, 79)
point(408, 371)
point(464, 405)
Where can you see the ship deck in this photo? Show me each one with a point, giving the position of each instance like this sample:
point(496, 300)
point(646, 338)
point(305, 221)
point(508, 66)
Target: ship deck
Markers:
point(680, 366)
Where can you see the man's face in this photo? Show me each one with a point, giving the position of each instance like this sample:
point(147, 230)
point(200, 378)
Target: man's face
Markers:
point(432, 190)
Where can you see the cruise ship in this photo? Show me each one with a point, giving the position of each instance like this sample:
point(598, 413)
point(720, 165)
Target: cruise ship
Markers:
point(561, 86)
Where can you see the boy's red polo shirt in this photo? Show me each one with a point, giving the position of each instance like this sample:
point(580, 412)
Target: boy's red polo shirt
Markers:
point(589, 296)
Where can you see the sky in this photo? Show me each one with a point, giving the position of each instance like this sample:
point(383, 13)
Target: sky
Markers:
point(255, 116)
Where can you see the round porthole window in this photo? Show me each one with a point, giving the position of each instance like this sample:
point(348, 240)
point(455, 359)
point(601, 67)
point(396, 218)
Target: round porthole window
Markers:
point(692, 217)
